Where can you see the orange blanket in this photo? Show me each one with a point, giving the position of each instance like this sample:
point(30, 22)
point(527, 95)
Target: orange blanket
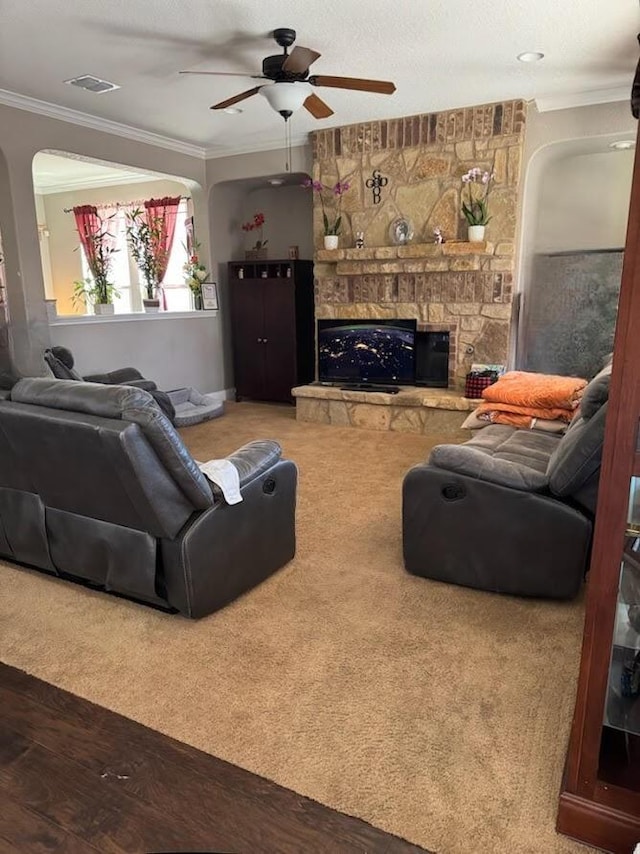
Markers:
point(520, 416)
point(535, 391)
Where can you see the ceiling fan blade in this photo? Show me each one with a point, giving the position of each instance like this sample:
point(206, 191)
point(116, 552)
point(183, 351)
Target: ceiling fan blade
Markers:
point(230, 101)
point(382, 87)
point(317, 107)
point(299, 59)
point(227, 74)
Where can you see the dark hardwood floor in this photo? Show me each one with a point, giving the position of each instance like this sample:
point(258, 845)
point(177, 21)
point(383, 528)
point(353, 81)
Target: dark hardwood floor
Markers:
point(76, 778)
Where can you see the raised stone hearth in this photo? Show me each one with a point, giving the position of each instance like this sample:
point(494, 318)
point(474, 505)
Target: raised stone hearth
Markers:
point(412, 410)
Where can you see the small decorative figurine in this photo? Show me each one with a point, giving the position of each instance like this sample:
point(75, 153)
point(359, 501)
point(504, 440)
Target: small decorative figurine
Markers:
point(359, 239)
point(438, 235)
point(241, 272)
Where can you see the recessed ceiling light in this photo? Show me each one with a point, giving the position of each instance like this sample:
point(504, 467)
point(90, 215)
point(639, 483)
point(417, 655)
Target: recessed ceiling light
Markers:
point(530, 56)
point(622, 144)
point(232, 111)
point(276, 182)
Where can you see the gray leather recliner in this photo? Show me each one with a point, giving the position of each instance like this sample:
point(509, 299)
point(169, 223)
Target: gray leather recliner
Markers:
point(96, 486)
point(510, 510)
point(62, 365)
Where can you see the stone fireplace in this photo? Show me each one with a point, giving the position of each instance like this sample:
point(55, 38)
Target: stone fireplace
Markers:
point(463, 288)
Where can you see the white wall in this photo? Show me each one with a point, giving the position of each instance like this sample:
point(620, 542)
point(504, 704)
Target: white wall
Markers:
point(289, 219)
point(173, 351)
point(22, 135)
point(584, 202)
point(551, 137)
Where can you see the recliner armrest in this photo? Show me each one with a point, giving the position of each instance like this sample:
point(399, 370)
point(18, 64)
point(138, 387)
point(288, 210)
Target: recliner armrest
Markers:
point(255, 458)
point(123, 376)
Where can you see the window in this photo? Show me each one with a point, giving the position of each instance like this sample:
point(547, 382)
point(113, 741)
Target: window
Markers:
point(128, 279)
point(177, 294)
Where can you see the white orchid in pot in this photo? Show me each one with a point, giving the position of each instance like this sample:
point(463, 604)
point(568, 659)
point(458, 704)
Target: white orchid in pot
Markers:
point(331, 226)
point(475, 207)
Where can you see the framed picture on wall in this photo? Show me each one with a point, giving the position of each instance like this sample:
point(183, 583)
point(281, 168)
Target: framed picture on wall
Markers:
point(210, 296)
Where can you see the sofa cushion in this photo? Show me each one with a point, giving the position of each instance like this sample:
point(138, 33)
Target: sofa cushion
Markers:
point(502, 455)
point(127, 404)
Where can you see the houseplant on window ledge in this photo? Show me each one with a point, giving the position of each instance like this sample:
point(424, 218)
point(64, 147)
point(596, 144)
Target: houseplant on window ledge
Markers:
point(99, 294)
point(195, 275)
point(97, 291)
point(144, 236)
point(475, 209)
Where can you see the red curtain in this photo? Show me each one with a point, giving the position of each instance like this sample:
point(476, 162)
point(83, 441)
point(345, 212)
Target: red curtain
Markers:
point(162, 213)
point(88, 224)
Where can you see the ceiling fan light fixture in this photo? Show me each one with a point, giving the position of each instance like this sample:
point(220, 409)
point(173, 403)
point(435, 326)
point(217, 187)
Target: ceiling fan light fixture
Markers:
point(286, 98)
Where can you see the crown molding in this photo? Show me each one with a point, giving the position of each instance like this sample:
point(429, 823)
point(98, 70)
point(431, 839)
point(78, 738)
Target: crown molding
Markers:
point(213, 152)
point(583, 99)
point(69, 185)
point(66, 114)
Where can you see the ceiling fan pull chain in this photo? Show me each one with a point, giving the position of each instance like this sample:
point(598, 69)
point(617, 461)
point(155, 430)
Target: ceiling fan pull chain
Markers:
point(287, 145)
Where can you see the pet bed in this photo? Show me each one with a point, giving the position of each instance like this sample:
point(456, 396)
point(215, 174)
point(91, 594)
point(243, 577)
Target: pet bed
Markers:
point(192, 407)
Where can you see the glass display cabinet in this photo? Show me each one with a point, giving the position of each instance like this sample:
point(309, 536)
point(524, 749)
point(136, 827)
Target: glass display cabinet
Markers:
point(600, 797)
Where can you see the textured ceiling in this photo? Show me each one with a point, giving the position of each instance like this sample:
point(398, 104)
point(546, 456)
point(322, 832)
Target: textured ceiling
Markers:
point(440, 54)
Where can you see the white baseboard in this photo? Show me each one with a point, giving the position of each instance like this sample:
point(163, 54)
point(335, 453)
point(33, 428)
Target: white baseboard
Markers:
point(223, 394)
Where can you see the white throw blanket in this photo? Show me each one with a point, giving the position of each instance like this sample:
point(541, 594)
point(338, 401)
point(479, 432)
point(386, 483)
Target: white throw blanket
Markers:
point(225, 475)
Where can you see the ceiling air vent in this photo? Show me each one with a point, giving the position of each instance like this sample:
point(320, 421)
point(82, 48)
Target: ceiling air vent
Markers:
point(92, 84)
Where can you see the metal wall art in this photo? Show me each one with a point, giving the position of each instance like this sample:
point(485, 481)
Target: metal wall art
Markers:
point(375, 183)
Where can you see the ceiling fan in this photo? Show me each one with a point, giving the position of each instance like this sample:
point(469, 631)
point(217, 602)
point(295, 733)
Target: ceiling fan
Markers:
point(290, 84)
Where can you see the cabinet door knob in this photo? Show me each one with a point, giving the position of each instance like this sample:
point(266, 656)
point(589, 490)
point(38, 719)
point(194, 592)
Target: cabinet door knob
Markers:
point(259, 340)
point(264, 340)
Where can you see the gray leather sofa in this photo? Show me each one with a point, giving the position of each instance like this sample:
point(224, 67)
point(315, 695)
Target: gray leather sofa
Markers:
point(510, 510)
point(96, 486)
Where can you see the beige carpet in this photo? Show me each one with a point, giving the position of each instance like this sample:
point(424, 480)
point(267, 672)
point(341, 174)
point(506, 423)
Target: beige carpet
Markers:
point(434, 712)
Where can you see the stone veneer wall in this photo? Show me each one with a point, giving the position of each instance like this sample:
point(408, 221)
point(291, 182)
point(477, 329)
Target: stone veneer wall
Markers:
point(461, 287)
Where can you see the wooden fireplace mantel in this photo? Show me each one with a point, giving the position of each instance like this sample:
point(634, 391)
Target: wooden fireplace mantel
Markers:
point(407, 250)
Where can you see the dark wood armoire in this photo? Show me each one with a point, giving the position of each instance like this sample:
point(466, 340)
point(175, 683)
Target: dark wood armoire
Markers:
point(272, 326)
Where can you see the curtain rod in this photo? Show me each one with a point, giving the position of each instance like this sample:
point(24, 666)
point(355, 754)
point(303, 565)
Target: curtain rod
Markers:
point(136, 202)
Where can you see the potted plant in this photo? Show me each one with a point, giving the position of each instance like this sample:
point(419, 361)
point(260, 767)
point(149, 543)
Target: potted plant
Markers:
point(100, 295)
point(144, 236)
point(195, 274)
point(331, 226)
point(475, 209)
point(259, 250)
point(97, 291)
